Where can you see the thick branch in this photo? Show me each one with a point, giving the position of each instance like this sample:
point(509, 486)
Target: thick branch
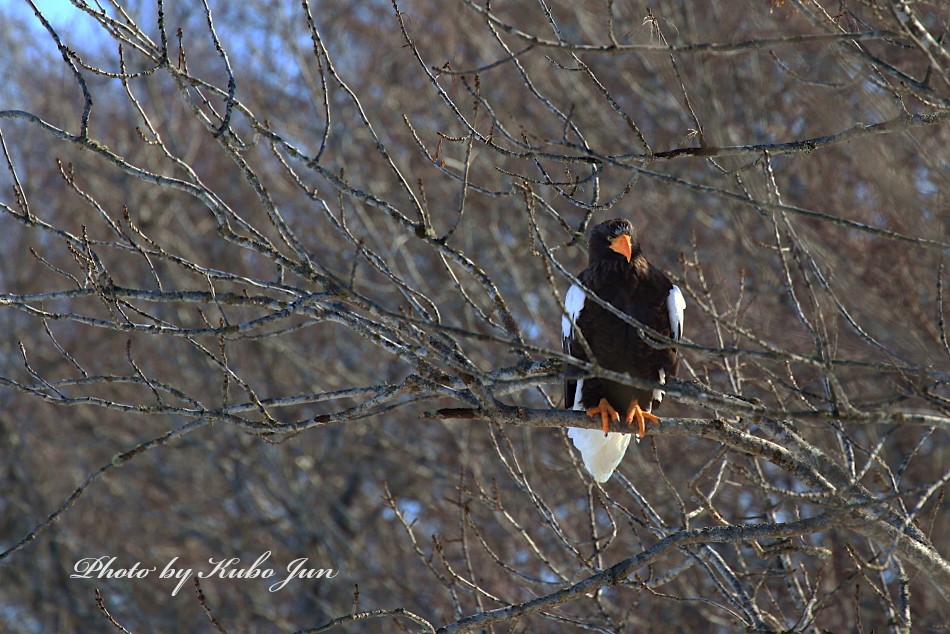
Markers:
point(619, 572)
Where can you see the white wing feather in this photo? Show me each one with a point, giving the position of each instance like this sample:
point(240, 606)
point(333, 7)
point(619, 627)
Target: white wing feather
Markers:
point(573, 304)
point(676, 304)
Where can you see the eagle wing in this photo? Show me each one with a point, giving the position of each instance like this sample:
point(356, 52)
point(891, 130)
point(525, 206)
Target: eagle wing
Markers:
point(573, 304)
point(676, 305)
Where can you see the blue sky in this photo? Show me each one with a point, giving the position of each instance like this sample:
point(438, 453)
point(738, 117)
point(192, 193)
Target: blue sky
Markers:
point(61, 13)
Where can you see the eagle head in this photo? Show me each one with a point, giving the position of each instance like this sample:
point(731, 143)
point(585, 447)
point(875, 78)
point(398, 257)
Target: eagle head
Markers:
point(613, 239)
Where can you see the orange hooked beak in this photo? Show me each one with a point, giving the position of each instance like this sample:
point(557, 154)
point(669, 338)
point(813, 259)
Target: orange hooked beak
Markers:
point(622, 245)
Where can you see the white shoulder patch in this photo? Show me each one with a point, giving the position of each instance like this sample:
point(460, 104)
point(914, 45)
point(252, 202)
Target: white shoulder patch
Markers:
point(676, 304)
point(573, 303)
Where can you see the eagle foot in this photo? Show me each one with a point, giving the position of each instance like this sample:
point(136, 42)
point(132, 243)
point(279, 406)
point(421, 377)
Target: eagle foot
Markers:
point(607, 414)
point(635, 413)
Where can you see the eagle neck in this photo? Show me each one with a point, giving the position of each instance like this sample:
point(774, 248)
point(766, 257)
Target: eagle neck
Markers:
point(619, 268)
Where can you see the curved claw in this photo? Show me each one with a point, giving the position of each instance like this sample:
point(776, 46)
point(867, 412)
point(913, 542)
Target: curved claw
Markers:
point(635, 413)
point(607, 414)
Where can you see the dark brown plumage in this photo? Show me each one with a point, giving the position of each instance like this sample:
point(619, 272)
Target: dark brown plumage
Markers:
point(619, 274)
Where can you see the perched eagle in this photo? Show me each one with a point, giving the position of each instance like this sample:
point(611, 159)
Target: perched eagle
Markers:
point(618, 273)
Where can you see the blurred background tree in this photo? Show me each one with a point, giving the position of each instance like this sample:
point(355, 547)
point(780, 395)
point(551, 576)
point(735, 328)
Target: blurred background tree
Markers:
point(274, 276)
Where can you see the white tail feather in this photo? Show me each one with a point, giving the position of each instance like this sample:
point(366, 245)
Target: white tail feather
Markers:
point(601, 452)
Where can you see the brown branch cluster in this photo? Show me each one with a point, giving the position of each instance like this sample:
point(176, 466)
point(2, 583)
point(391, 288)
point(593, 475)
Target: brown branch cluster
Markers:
point(308, 264)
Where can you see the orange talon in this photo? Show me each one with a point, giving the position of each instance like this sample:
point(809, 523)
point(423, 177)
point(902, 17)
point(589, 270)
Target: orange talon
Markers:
point(607, 413)
point(635, 413)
